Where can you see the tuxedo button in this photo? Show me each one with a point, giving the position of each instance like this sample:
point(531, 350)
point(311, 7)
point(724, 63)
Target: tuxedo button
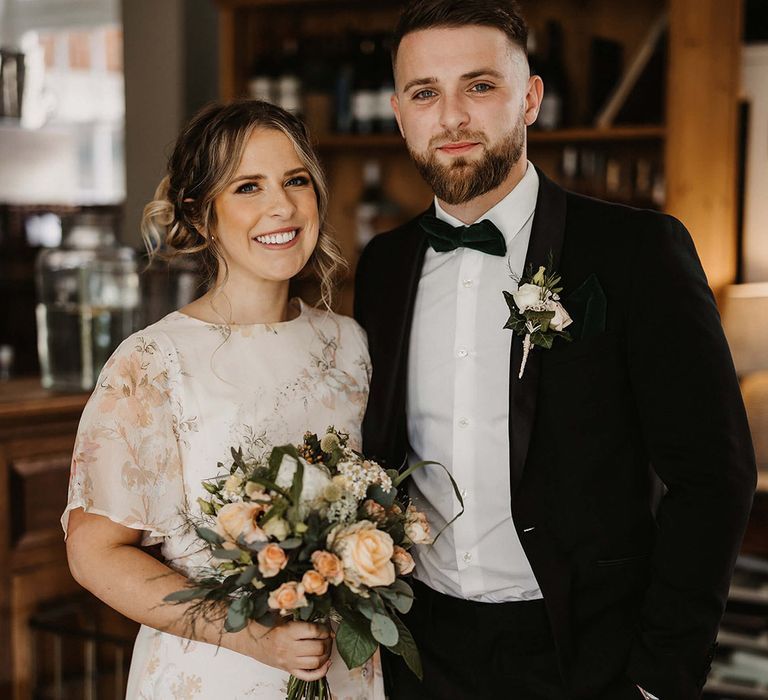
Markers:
point(467, 283)
point(462, 353)
point(463, 422)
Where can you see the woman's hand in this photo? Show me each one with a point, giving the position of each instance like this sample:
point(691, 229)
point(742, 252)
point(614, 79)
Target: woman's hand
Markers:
point(301, 648)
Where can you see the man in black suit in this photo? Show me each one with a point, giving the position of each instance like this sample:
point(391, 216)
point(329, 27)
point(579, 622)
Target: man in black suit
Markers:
point(560, 580)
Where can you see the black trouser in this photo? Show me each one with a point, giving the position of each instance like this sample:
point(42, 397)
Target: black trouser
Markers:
point(477, 651)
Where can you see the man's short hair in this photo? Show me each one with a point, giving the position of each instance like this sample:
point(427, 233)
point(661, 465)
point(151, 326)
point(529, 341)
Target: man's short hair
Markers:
point(428, 14)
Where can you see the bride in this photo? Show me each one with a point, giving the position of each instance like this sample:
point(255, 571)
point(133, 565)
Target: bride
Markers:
point(242, 365)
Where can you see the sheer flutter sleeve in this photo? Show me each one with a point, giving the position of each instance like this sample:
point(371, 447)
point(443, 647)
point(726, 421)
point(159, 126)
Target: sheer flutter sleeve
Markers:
point(126, 464)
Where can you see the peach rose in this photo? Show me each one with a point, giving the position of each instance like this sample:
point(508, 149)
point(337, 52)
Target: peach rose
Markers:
point(314, 582)
point(416, 526)
point(375, 511)
point(272, 560)
point(287, 598)
point(366, 554)
point(236, 519)
point(328, 566)
point(403, 561)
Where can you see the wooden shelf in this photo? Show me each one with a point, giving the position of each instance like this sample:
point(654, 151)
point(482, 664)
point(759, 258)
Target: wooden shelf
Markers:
point(742, 641)
point(734, 690)
point(333, 142)
point(588, 134)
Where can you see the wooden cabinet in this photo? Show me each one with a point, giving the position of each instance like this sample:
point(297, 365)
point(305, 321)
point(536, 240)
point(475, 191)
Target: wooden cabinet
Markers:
point(37, 431)
point(695, 147)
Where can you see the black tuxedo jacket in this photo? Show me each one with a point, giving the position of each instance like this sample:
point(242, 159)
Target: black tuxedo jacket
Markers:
point(628, 591)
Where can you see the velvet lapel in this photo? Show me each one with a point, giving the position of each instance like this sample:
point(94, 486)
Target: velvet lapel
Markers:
point(399, 308)
point(546, 237)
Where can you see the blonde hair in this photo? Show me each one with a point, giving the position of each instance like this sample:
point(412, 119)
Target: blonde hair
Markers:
point(181, 219)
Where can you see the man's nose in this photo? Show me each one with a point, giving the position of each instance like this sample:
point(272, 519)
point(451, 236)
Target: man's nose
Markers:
point(453, 114)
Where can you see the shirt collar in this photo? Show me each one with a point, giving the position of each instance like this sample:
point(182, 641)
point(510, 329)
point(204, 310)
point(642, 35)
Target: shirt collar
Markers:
point(510, 214)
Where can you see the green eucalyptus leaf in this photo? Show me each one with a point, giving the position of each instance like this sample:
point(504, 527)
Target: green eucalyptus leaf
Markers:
point(227, 554)
point(247, 575)
point(237, 615)
point(209, 535)
point(365, 607)
point(382, 497)
point(355, 642)
point(384, 631)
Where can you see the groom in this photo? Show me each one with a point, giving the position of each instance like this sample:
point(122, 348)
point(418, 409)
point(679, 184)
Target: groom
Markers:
point(559, 581)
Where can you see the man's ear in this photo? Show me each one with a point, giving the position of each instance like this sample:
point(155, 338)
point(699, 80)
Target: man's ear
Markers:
point(533, 99)
point(395, 102)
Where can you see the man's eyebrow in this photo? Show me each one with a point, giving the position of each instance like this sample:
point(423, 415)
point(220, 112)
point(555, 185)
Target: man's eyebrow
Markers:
point(418, 81)
point(482, 71)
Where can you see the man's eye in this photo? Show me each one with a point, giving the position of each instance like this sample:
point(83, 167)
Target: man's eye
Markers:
point(482, 87)
point(298, 181)
point(247, 188)
point(424, 94)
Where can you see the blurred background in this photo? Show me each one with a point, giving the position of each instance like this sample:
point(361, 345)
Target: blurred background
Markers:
point(658, 104)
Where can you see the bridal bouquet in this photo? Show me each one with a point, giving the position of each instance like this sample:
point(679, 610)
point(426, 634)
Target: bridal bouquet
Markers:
point(313, 532)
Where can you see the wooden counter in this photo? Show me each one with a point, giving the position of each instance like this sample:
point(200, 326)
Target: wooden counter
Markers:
point(37, 432)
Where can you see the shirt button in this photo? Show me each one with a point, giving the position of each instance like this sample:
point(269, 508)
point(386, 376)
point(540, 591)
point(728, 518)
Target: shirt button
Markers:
point(463, 422)
point(467, 283)
point(462, 353)
point(467, 557)
point(464, 494)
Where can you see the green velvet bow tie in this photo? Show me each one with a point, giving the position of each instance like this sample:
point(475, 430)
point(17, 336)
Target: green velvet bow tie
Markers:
point(482, 236)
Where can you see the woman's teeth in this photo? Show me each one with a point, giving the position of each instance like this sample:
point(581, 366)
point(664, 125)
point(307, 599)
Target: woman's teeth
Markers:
point(277, 238)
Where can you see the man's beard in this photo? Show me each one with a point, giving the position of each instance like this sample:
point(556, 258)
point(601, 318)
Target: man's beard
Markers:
point(463, 180)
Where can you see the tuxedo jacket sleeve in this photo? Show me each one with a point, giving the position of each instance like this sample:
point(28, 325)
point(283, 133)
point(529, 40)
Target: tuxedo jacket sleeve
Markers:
point(695, 431)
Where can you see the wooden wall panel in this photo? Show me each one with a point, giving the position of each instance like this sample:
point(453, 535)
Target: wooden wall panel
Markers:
point(702, 128)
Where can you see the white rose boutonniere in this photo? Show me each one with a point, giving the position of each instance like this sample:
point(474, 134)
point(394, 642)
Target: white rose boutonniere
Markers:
point(536, 312)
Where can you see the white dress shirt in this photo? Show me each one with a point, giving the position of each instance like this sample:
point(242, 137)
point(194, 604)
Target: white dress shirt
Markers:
point(458, 409)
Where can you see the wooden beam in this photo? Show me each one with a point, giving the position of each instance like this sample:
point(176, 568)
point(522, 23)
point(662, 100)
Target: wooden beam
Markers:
point(702, 128)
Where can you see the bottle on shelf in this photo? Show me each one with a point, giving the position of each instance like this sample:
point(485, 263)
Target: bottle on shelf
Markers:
point(375, 212)
point(385, 117)
point(262, 83)
point(554, 105)
point(343, 84)
point(288, 85)
point(365, 90)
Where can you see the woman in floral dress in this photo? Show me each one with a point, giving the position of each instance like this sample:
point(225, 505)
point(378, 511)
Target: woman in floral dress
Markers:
point(242, 365)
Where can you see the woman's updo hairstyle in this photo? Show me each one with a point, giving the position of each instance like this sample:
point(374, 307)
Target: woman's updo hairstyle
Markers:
point(181, 219)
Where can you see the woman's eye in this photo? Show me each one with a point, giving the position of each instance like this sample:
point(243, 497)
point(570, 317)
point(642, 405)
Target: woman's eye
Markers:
point(298, 181)
point(247, 188)
point(424, 94)
point(482, 87)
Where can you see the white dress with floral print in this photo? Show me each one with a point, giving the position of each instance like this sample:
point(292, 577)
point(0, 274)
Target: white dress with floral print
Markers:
point(168, 406)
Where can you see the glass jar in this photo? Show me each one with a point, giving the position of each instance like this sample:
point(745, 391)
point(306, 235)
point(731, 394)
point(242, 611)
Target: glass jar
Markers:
point(88, 302)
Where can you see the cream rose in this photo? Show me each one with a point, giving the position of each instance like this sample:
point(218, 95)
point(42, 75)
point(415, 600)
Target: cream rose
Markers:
point(527, 295)
point(365, 553)
point(232, 484)
point(329, 566)
point(272, 560)
point(314, 583)
point(236, 519)
point(416, 526)
point(403, 561)
point(287, 598)
point(277, 528)
point(256, 492)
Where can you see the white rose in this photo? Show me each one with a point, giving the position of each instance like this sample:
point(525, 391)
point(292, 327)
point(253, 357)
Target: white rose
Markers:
point(561, 319)
point(314, 482)
point(527, 295)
